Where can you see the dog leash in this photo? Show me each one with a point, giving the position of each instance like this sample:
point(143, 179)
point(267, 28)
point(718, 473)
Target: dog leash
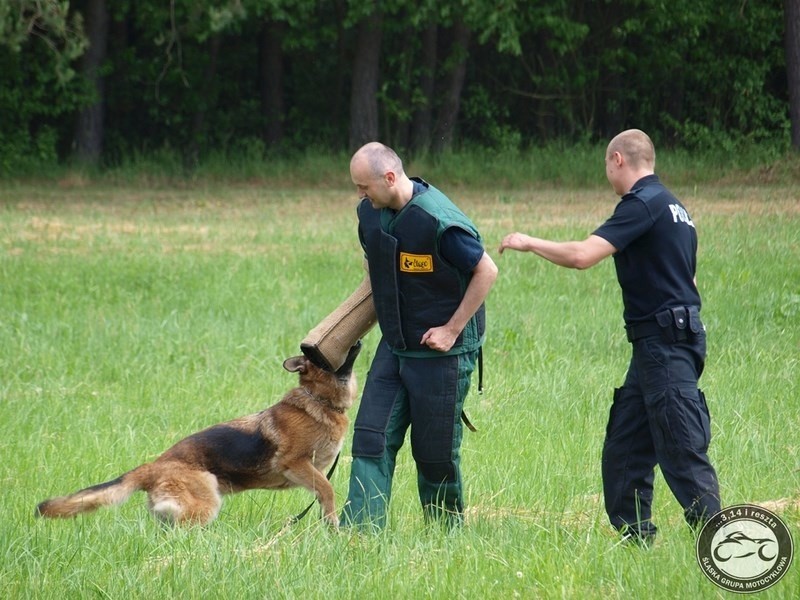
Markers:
point(467, 422)
point(464, 417)
point(302, 514)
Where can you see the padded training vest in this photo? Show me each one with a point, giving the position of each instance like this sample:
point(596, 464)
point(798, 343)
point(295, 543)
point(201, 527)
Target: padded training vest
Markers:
point(413, 287)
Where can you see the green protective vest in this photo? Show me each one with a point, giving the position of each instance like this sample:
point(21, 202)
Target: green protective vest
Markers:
point(413, 287)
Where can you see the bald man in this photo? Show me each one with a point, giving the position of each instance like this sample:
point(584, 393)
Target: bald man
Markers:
point(430, 276)
point(658, 416)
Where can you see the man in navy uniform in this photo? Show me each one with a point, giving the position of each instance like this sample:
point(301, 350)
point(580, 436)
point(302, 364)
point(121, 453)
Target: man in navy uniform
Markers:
point(659, 416)
point(429, 275)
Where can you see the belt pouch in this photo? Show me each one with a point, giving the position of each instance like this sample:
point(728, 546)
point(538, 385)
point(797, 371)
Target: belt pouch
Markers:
point(665, 322)
point(695, 324)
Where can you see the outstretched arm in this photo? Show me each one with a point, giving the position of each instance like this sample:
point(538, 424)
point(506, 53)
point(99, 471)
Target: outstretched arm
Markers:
point(573, 255)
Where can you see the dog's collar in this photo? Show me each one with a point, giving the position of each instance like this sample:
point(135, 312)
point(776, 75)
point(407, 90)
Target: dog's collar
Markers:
point(324, 402)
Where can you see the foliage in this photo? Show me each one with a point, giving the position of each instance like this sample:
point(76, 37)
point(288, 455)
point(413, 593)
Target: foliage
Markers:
point(185, 76)
point(36, 106)
point(39, 42)
point(23, 22)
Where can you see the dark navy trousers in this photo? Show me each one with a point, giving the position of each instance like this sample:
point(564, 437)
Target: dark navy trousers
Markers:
point(659, 416)
point(426, 395)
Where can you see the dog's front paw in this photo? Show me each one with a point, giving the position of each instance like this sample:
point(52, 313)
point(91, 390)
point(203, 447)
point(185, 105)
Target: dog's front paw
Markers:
point(332, 521)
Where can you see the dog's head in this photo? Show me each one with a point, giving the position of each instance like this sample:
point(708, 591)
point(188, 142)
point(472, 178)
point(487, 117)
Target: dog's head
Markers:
point(338, 387)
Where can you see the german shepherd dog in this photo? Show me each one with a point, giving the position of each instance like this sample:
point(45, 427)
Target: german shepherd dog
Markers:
point(287, 445)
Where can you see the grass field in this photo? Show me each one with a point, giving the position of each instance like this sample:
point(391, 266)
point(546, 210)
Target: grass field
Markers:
point(131, 316)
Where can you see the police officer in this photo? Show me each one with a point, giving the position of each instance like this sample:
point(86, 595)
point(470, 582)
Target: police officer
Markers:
point(659, 416)
point(430, 275)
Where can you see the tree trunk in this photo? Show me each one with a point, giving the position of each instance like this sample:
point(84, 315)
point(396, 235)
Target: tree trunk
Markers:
point(90, 132)
point(792, 13)
point(423, 115)
point(444, 131)
point(272, 105)
point(364, 93)
point(206, 99)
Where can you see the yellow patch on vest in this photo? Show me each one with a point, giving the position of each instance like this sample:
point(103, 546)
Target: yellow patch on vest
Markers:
point(416, 263)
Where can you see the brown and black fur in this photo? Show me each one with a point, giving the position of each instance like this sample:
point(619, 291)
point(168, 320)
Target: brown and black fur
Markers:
point(287, 445)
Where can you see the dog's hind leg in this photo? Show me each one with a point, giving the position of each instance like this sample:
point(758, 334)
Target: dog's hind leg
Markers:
point(308, 476)
point(184, 496)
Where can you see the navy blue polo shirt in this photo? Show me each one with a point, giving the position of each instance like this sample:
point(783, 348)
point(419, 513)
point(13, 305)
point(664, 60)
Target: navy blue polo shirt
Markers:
point(656, 243)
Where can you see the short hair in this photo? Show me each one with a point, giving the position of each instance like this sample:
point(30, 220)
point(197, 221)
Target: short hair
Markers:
point(380, 159)
point(636, 146)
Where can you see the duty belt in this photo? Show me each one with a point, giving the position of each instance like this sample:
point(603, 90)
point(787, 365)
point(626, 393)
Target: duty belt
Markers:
point(640, 330)
point(672, 324)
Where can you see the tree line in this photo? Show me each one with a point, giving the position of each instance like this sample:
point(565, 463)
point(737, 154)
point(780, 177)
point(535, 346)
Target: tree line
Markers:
point(99, 81)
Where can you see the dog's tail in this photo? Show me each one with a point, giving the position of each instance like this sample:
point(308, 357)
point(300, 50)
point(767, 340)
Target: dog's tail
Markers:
point(109, 493)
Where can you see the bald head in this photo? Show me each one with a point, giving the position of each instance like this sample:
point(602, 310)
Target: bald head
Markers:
point(636, 147)
point(378, 159)
point(378, 174)
point(629, 157)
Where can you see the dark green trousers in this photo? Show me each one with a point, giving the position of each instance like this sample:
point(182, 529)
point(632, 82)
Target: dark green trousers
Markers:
point(427, 396)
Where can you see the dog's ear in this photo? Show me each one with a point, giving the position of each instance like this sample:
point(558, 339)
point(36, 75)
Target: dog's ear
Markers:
point(296, 364)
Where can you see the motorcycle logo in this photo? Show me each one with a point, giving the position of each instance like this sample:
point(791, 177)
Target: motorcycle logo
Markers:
point(744, 548)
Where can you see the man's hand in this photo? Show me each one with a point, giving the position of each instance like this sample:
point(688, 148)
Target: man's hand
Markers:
point(516, 241)
point(439, 338)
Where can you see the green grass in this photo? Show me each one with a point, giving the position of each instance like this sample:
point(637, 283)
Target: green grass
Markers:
point(134, 314)
point(556, 164)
